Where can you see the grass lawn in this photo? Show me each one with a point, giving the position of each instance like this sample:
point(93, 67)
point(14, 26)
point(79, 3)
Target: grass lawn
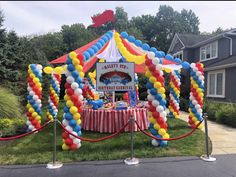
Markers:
point(37, 148)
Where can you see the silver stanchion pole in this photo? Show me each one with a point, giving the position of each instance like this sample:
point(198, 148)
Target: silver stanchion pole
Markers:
point(132, 160)
point(207, 157)
point(54, 164)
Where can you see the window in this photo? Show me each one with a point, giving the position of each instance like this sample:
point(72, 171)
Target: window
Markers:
point(216, 84)
point(209, 51)
point(178, 55)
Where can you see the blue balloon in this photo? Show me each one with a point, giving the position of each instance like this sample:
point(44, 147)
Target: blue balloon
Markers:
point(185, 65)
point(131, 39)
point(162, 54)
point(70, 67)
point(153, 49)
point(68, 116)
point(95, 48)
point(138, 43)
point(163, 102)
point(149, 85)
point(86, 55)
point(79, 80)
point(75, 74)
point(95, 107)
point(66, 109)
point(163, 143)
point(153, 131)
point(79, 133)
point(99, 45)
point(68, 60)
point(91, 51)
point(72, 123)
point(77, 128)
point(169, 57)
point(150, 125)
point(110, 34)
point(158, 97)
point(124, 34)
point(153, 91)
point(145, 46)
point(105, 38)
point(177, 60)
point(101, 41)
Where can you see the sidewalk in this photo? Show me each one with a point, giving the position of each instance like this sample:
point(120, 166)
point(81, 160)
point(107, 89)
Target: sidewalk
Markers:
point(150, 167)
point(222, 137)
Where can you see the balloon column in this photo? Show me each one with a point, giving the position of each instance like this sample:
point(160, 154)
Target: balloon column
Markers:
point(196, 94)
point(73, 98)
point(156, 99)
point(34, 98)
point(174, 93)
point(136, 85)
point(53, 99)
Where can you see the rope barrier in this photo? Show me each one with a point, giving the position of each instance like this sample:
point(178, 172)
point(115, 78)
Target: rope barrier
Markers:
point(94, 140)
point(25, 134)
point(169, 139)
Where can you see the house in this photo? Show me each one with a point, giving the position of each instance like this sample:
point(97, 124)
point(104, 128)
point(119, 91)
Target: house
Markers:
point(218, 54)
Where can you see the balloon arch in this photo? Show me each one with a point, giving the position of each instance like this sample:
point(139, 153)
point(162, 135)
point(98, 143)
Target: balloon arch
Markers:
point(110, 47)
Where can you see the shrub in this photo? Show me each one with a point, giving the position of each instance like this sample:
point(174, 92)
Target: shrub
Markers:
point(9, 105)
point(226, 114)
point(210, 108)
point(11, 126)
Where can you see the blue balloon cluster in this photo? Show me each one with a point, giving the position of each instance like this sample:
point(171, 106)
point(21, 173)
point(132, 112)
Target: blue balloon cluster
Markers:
point(96, 103)
point(72, 122)
point(200, 84)
point(90, 52)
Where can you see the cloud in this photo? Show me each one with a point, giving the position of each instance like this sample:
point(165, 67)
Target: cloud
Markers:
point(27, 17)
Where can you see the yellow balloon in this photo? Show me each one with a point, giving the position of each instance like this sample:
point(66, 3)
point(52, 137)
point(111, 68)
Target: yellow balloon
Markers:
point(81, 74)
point(64, 67)
point(156, 126)
point(162, 90)
point(200, 126)
point(58, 70)
point(157, 85)
point(65, 147)
point(162, 131)
point(69, 103)
point(152, 79)
point(73, 110)
point(38, 118)
point(76, 62)
point(48, 70)
point(28, 106)
point(31, 110)
point(152, 120)
point(140, 59)
point(34, 114)
point(148, 74)
point(32, 75)
point(78, 121)
point(79, 68)
point(76, 116)
point(166, 135)
point(72, 55)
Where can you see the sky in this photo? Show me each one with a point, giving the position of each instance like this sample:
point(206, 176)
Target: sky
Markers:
point(40, 17)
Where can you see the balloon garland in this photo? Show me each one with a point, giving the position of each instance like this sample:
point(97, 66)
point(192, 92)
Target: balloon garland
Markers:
point(138, 59)
point(174, 93)
point(196, 94)
point(34, 98)
point(73, 98)
point(156, 99)
point(53, 99)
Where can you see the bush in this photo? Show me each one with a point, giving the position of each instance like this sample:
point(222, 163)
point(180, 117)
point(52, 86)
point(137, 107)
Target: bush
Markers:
point(9, 105)
point(211, 108)
point(11, 126)
point(226, 114)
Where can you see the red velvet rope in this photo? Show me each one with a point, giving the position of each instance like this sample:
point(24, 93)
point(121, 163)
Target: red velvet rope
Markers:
point(25, 134)
point(169, 139)
point(94, 140)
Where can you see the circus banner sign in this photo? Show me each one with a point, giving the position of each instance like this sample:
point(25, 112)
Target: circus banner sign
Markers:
point(115, 76)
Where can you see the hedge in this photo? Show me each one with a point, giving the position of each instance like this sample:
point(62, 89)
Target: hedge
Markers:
point(11, 126)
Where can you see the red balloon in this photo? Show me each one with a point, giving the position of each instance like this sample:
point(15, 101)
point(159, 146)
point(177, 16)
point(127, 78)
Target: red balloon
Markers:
point(126, 96)
point(156, 114)
point(69, 141)
point(160, 120)
point(67, 85)
point(70, 91)
point(73, 147)
point(65, 135)
point(152, 67)
point(37, 126)
point(148, 62)
point(80, 57)
point(164, 125)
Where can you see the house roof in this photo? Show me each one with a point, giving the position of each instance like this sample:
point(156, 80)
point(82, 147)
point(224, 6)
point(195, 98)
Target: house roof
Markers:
point(226, 63)
point(191, 39)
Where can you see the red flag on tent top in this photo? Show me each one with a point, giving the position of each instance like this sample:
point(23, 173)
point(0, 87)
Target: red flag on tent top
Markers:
point(105, 17)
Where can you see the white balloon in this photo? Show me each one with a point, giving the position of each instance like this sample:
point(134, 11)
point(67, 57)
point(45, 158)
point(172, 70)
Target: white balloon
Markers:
point(161, 73)
point(29, 88)
point(78, 91)
point(158, 67)
point(70, 79)
point(65, 122)
point(32, 93)
point(81, 97)
point(69, 128)
point(197, 106)
point(165, 119)
point(74, 85)
point(40, 105)
point(192, 65)
point(31, 127)
point(40, 67)
point(150, 98)
point(74, 133)
point(78, 145)
point(159, 108)
point(151, 55)
point(38, 101)
point(155, 143)
point(163, 114)
point(76, 141)
point(155, 103)
point(28, 122)
point(194, 102)
point(67, 73)
point(35, 97)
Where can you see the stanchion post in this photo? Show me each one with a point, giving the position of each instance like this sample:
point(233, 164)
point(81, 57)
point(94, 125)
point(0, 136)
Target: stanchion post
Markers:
point(132, 160)
point(54, 164)
point(207, 157)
